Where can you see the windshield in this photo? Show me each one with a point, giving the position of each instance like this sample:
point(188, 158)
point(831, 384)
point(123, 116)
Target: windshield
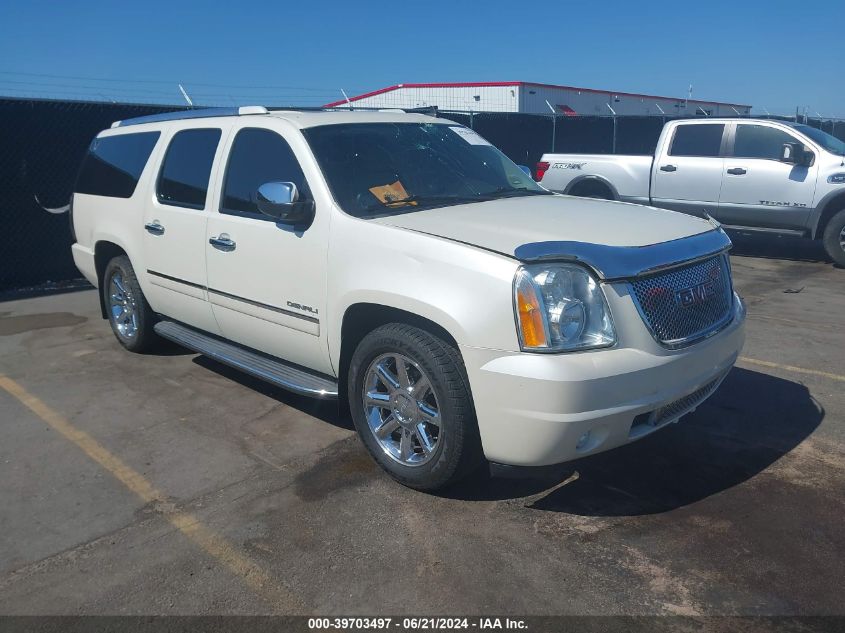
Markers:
point(830, 143)
point(375, 169)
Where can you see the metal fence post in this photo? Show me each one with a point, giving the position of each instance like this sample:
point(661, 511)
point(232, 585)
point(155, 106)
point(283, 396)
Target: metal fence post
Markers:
point(554, 131)
point(471, 118)
point(613, 112)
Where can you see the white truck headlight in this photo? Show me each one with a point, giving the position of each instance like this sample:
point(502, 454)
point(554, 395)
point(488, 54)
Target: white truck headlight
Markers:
point(560, 307)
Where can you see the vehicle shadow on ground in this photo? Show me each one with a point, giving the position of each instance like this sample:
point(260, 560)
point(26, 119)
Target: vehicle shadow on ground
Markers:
point(751, 422)
point(324, 410)
point(783, 247)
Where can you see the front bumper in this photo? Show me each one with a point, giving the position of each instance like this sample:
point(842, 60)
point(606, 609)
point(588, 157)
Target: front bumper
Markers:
point(544, 409)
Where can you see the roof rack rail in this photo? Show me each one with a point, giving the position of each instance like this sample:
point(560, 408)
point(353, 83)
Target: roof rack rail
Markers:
point(201, 113)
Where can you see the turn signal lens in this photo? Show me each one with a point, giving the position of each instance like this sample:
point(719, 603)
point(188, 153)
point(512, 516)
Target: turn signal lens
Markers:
point(531, 320)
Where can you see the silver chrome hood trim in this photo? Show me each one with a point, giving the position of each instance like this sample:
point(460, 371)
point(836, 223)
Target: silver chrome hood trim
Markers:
point(616, 263)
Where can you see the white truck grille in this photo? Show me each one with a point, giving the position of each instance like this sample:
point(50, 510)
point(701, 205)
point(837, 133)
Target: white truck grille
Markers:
point(688, 303)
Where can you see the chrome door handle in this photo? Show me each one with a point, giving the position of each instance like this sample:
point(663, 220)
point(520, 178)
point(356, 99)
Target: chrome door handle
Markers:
point(737, 171)
point(668, 168)
point(154, 227)
point(222, 243)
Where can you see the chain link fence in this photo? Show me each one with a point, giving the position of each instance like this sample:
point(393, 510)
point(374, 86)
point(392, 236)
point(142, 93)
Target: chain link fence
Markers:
point(41, 146)
point(42, 143)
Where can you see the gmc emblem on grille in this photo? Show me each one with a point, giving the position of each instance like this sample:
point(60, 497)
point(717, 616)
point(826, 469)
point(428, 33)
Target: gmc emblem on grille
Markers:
point(697, 294)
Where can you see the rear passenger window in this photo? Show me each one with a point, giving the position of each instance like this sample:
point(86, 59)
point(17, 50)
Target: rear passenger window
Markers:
point(697, 140)
point(187, 168)
point(114, 164)
point(258, 156)
point(760, 141)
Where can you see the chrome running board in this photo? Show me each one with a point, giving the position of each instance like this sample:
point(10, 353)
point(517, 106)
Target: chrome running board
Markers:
point(276, 372)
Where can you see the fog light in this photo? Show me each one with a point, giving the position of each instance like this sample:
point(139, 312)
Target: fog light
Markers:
point(583, 441)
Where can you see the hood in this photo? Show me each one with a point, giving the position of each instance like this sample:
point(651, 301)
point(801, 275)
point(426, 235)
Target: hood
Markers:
point(506, 224)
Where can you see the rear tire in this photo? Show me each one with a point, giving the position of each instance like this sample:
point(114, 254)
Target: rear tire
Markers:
point(129, 314)
point(411, 404)
point(834, 238)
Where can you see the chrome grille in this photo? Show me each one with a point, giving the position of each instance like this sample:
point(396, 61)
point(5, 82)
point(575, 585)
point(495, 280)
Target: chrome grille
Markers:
point(687, 303)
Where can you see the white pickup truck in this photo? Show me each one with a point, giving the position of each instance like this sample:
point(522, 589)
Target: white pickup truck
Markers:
point(749, 174)
point(404, 266)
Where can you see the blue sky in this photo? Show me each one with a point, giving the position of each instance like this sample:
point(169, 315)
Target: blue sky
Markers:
point(771, 54)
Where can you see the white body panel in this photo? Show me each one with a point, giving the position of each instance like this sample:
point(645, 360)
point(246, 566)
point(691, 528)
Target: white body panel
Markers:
point(453, 266)
point(628, 175)
point(179, 252)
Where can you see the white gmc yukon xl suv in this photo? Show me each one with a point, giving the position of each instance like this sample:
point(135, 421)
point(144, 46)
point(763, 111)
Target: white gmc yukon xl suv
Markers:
point(462, 311)
point(752, 175)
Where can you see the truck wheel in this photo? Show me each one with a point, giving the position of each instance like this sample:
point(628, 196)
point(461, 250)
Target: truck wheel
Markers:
point(834, 238)
point(130, 316)
point(411, 404)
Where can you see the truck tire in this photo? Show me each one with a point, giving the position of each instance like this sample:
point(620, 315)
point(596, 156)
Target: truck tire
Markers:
point(411, 404)
point(129, 314)
point(834, 238)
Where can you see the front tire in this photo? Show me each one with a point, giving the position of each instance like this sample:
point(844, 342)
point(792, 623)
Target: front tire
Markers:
point(834, 238)
point(411, 404)
point(129, 314)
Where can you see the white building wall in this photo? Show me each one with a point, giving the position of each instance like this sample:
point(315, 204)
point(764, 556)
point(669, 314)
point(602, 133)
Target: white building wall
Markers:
point(469, 99)
point(592, 103)
point(532, 99)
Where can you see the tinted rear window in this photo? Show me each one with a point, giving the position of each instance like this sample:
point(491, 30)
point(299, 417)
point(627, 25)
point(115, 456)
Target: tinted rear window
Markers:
point(697, 140)
point(187, 167)
point(113, 164)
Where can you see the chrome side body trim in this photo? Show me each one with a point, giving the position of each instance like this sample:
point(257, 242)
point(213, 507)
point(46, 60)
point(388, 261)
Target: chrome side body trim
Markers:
point(257, 304)
point(617, 263)
point(266, 306)
point(176, 279)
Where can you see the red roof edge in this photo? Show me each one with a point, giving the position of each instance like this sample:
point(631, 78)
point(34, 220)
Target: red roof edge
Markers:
point(477, 84)
point(493, 84)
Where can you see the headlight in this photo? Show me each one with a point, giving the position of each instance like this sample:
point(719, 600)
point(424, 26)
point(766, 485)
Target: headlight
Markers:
point(560, 307)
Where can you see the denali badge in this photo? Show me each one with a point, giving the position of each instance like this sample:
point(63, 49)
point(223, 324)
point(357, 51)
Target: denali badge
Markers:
point(299, 306)
point(697, 294)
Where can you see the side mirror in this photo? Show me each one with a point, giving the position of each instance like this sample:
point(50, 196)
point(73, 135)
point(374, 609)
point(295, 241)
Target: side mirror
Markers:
point(795, 154)
point(280, 201)
point(526, 170)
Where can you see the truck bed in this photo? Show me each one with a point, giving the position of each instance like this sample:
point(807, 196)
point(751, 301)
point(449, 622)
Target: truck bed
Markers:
point(626, 176)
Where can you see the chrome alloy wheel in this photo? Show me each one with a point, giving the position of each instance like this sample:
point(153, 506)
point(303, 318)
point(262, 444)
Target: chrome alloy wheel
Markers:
point(122, 308)
point(401, 409)
point(842, 238)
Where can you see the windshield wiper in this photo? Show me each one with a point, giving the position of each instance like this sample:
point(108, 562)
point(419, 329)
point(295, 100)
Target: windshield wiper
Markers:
point(507, 192)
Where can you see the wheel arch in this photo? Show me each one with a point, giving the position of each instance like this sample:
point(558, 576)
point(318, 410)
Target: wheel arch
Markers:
point(361, 318)
point(828, 207)
point(592, 179)
point(104, 252)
